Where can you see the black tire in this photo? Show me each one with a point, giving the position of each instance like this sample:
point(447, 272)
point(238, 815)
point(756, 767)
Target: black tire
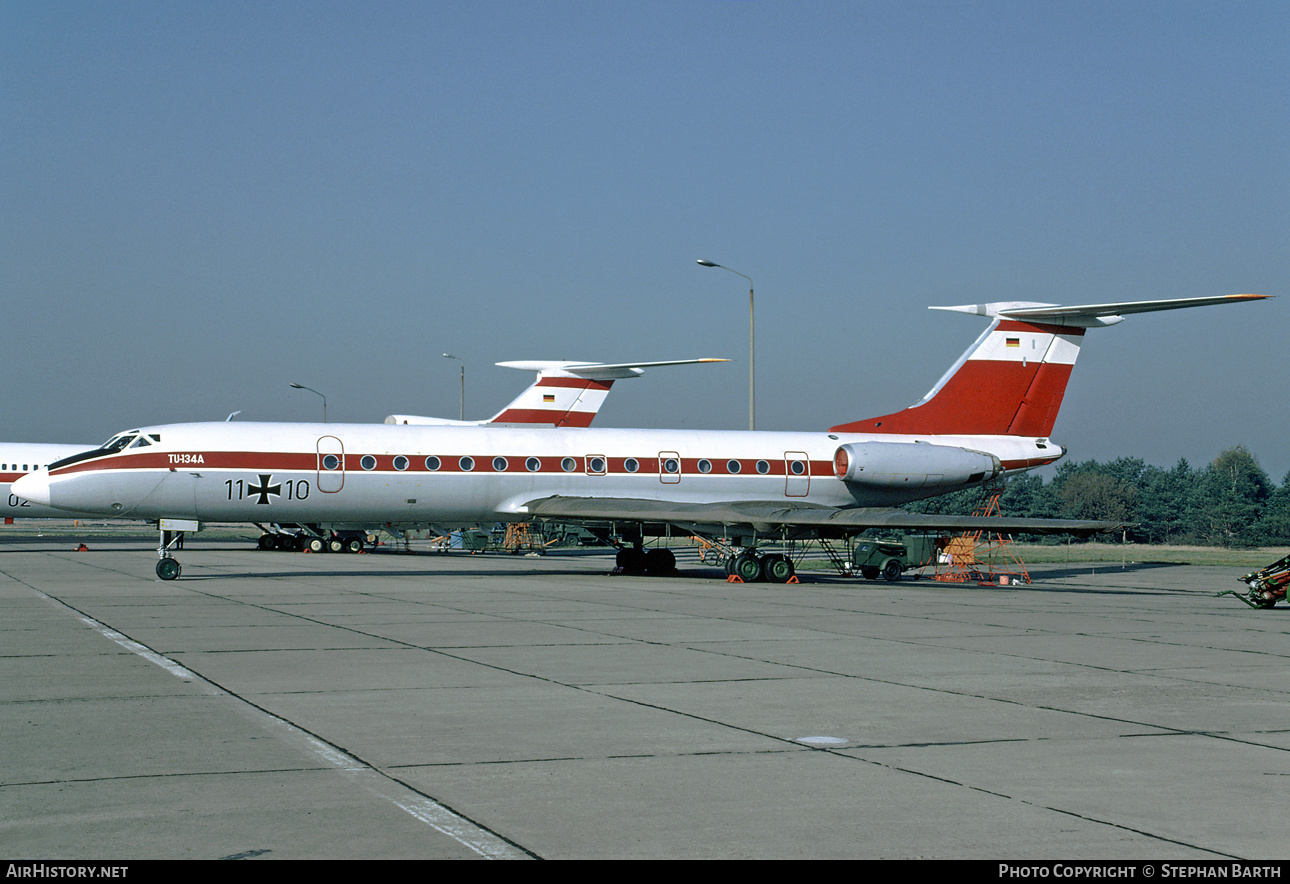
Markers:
point(747, 567)
point(168, 569)
point(334, 545)
point(266, 541)
point(777, 568)
point(660, 561)
point(891, 570)
point(316, 545)
point(869, 572)
point(631, 560)
point(354, 545)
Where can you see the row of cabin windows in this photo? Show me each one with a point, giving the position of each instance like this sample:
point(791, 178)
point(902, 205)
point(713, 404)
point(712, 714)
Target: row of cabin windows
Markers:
point(6, 467)
point(595, 464)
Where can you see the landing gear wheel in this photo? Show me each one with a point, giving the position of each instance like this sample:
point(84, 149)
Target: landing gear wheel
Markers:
point(168, 569)
point(266, 541)
point(777, 568)
point(334, 545)
point(354, 545)
point(316, 545)
point(747, 567)
point(660, 561)
point(631, 560)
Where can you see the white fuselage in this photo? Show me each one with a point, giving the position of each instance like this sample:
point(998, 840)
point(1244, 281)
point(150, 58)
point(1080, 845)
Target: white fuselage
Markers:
point(17, 459)
point(365, 474)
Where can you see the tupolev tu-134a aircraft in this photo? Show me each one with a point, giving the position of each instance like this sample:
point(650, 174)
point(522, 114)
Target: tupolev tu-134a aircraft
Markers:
point(988, 417)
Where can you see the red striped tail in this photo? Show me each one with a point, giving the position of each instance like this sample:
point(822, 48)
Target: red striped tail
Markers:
point(1010, 382)
point(556, 401)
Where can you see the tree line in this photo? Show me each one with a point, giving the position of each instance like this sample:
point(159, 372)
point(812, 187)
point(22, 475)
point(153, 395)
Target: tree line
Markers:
point(1230, 502)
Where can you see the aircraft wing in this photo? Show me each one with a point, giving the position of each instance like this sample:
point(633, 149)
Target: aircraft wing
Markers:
point(772, 515)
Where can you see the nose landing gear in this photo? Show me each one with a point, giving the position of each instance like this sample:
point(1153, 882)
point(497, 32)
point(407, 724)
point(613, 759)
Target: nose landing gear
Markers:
point(172, 538)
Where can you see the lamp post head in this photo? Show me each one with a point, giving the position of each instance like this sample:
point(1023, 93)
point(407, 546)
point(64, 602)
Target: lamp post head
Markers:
point(707, 263)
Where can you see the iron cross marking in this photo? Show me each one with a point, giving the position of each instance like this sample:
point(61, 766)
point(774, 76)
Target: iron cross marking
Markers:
point(264, 489)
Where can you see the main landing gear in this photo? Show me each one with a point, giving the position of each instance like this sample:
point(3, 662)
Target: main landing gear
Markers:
point(657, 562)
point(634, 558)
point(744, 564)
point(749, 566)
point(312, 539)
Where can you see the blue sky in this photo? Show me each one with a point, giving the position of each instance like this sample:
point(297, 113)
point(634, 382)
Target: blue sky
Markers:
point(205, 202)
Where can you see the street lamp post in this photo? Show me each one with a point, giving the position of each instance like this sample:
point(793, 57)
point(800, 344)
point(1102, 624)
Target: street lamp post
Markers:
point(752, 398)
point(312, 390)
point(462, 414)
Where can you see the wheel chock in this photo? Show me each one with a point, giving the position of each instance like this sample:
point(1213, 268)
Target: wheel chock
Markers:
point(734, 578)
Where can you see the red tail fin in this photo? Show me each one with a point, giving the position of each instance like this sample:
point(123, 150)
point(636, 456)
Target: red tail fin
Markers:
point(1011, 381)
point(1009, 384)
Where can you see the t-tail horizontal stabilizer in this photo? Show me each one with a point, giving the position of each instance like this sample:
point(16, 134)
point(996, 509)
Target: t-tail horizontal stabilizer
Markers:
point(564, 394)
point(1010, 382)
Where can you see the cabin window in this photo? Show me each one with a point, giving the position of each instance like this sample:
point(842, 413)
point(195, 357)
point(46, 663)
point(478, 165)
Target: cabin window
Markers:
point(400, 463)
point(705, 466)
point(568, 465)
point(596, 465)
point(797, 467)
point(763, 467)
point(631, 465)
point(499, 464)
point(671, 465)
point(433, 463)
point(533, 464)
point(732, 466)
point(367, 462)
point(466, 463)
point(330, 462)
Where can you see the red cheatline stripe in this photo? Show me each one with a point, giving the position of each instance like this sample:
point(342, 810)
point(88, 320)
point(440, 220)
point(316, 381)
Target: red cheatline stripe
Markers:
point(269, 461)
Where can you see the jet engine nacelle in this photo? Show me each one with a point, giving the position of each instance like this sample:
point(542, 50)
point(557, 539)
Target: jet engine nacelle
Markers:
point(912, 465)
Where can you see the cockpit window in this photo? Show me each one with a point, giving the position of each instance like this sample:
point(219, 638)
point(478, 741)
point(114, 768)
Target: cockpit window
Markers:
point(118, 443)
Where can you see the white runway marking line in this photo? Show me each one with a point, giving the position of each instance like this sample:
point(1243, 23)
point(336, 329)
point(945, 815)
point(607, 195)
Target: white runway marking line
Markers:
point(419, 807)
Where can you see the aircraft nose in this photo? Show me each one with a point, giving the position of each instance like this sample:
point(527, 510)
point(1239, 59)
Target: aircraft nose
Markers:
point(33, 487)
